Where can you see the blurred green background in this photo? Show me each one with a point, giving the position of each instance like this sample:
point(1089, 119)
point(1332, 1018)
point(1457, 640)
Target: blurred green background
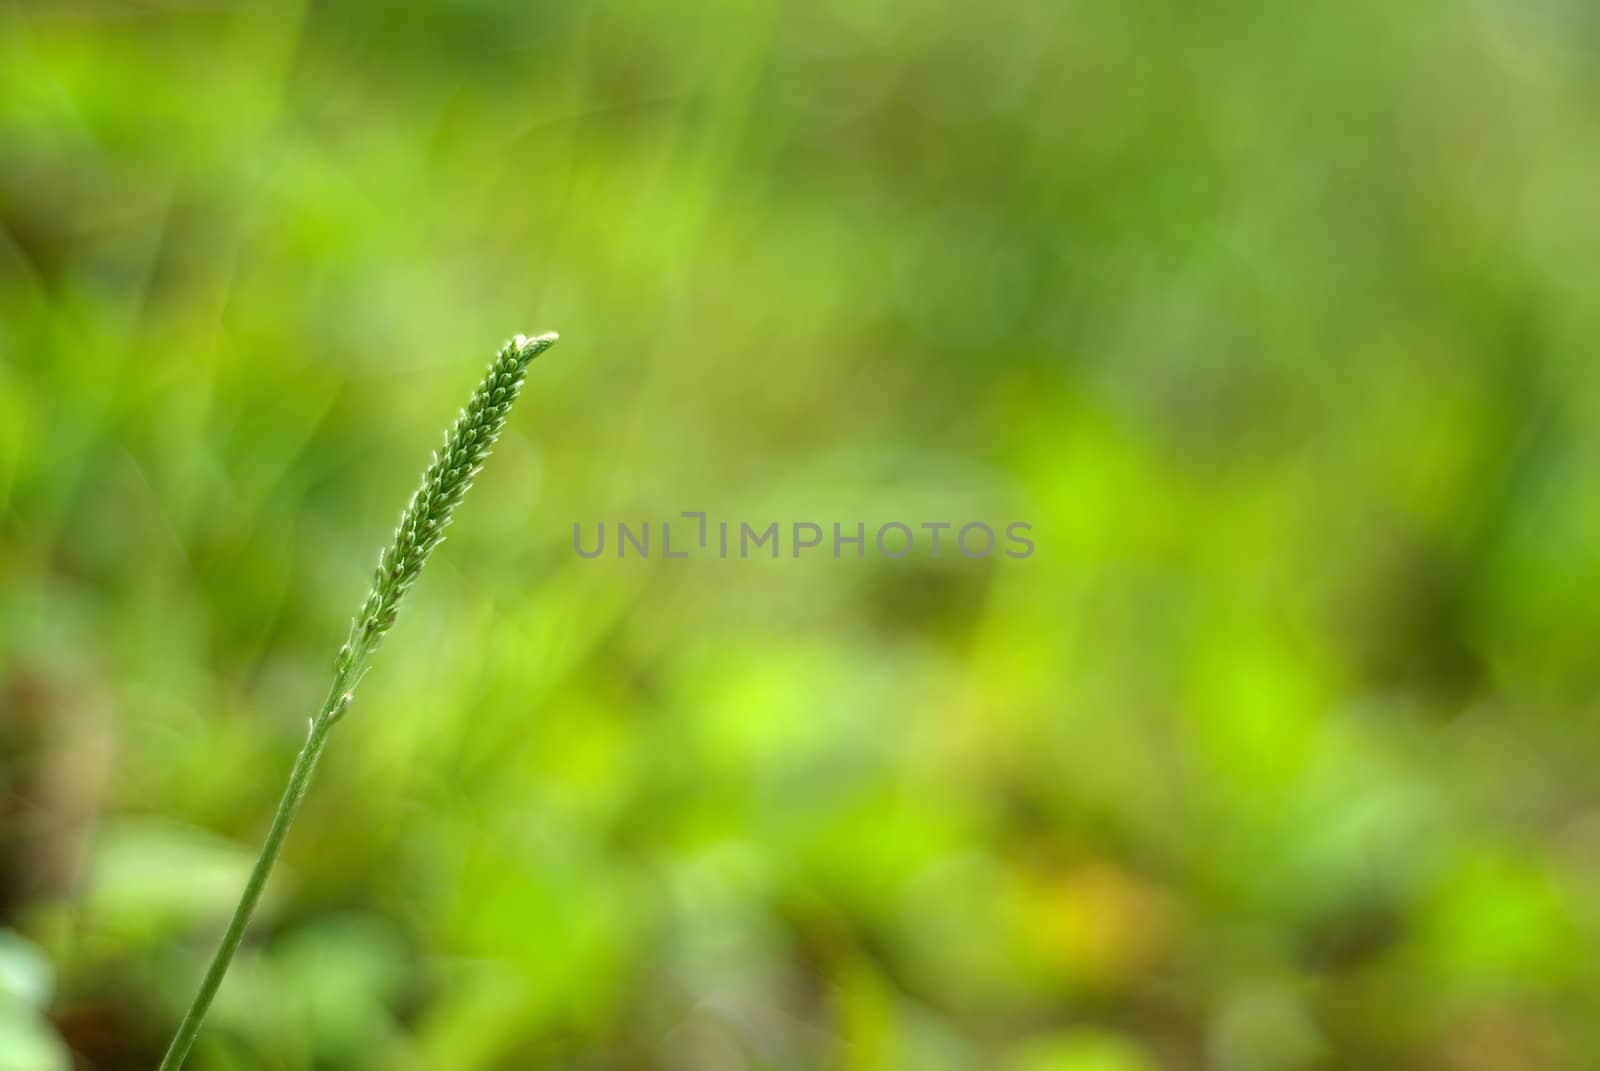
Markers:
point(1274, 319)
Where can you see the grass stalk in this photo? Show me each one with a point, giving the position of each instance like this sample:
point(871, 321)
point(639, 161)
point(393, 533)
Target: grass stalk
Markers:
point(422, 526)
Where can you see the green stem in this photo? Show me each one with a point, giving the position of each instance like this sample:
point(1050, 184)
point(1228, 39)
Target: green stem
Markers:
point(422, 524)
point(288, 807)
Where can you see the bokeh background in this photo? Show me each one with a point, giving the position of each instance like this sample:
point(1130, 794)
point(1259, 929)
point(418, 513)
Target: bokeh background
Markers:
point(1274, 319)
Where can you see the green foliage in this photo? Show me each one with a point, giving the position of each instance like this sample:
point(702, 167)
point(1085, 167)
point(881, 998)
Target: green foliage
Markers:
point(27, 1042)
point(1273, 317)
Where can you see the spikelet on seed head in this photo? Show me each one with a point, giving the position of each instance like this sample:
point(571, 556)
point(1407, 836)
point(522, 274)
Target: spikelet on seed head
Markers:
point(449, 475)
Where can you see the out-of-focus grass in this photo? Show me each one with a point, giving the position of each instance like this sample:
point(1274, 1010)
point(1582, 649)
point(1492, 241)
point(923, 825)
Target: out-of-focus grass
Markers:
point(1272, 318)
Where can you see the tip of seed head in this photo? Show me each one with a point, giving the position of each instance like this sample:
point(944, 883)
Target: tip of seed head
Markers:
point(532, 347)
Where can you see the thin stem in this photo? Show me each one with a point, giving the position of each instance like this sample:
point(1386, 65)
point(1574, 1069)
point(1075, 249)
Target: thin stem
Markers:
point(293, 795)
point(422, 525)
